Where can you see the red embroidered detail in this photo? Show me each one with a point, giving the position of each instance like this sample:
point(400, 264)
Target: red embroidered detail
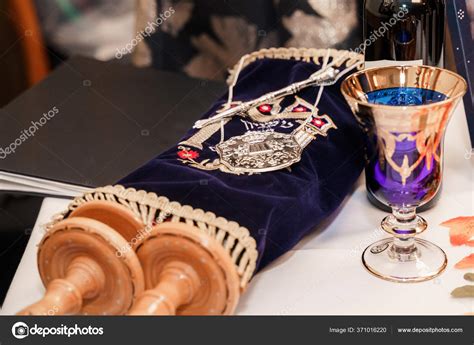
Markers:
point(265, 108)
point(300, 109)
point(188, 154)
point(318, 122)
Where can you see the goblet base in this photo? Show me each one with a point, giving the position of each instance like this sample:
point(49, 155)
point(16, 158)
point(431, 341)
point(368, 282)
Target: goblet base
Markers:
point(424, 262)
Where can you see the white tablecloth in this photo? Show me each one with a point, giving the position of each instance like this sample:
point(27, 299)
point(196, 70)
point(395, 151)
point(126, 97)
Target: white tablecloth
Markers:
point(324, 274)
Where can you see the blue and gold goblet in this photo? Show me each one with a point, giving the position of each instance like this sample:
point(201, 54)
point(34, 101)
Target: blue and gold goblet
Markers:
point(404, 111)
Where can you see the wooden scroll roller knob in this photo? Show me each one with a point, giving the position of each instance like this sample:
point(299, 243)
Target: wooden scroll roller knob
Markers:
point(84, 280)
point(187, 272)
point(177, 286)
point(87, 266)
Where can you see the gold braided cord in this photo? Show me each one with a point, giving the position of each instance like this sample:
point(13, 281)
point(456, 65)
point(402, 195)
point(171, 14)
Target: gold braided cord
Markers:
point(311, 55)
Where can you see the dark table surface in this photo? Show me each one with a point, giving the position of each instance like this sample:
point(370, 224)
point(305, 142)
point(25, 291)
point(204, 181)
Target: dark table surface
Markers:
point(111, 118)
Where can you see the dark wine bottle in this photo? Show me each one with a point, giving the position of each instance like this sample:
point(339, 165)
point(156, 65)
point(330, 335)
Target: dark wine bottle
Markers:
point(404, 32)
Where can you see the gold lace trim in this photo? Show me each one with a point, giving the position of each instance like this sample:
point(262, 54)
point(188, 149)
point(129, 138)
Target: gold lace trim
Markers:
point(312, 55)
point(150, 208)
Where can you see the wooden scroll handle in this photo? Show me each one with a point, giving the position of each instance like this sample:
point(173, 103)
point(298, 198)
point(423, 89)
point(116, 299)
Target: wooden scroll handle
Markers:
point(187, 272)
point(84, 279)
point(88, 264)
point(178, 285)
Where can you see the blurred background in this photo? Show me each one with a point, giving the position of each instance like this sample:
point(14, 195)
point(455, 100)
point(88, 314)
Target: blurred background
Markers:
point(201, 38)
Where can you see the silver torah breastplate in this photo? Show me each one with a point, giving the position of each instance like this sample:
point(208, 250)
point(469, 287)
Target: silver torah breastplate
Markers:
point(257, 152)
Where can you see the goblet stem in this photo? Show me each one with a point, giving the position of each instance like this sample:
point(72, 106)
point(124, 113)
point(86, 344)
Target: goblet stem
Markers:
point(404, 214)
point(403, 250)
point(416, 259)
point(404, 223)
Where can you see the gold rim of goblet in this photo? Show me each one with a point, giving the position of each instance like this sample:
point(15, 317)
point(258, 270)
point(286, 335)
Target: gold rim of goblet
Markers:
point(346, 81)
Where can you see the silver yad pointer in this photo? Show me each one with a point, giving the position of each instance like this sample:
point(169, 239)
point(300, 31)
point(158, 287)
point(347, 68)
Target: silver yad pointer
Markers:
point(324, 77)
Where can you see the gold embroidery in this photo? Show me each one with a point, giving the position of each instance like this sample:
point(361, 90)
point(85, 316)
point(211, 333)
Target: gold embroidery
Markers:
point(205, 164)
point(255, 115)
point(197, 139)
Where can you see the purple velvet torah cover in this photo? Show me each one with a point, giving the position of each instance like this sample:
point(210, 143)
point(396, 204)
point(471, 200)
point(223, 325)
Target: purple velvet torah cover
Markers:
point(278, 207)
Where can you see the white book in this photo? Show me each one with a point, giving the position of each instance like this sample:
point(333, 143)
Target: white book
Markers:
point(22, 183)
